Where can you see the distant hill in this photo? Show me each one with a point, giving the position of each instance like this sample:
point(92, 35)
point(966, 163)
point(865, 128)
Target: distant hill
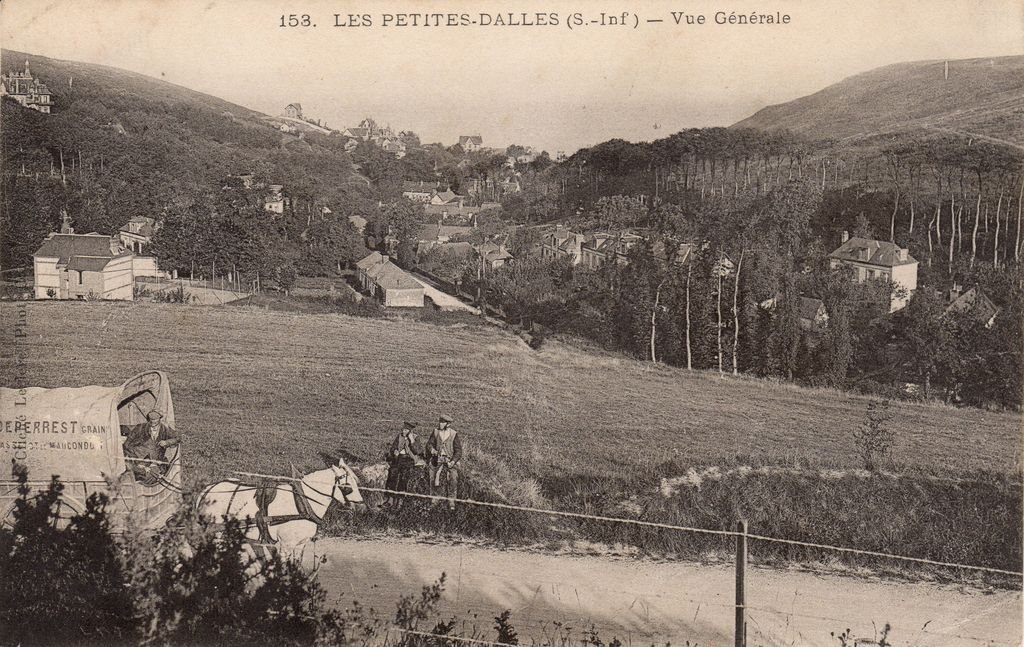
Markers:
point(133, 145)
point(982, 98)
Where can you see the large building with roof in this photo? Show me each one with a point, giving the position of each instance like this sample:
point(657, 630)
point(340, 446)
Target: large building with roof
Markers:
point(388, 283)
point(83, 266)
point(471, 143)
point(138, 233)
point(878, 259)
point(26, 90)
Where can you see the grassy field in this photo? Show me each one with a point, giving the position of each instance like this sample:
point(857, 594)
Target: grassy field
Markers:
point(260, 389)
point(257, 390)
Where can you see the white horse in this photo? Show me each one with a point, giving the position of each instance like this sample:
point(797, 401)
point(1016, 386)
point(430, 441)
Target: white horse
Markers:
point(281, 512)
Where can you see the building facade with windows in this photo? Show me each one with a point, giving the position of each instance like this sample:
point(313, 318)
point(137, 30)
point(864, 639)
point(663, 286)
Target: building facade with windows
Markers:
point(878, 260)
point(83, 266)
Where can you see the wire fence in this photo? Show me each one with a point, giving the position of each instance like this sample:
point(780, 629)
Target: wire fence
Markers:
point(691, 529)
point(752, 613)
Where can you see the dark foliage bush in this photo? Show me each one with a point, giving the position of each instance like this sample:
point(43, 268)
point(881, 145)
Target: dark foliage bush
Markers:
point(61, 582)
point(74, 582)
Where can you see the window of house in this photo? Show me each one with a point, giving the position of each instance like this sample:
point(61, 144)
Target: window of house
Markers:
point(80, 277)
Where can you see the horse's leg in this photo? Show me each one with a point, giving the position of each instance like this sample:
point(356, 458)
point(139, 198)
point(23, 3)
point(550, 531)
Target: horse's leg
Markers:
point(292, 536)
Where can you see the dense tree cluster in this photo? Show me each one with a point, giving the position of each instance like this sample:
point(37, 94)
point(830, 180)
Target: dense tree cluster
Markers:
point(120, 145)
point(718, 284)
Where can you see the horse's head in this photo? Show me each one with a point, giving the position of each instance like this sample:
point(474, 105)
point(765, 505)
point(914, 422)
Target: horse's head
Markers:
point(346, 485)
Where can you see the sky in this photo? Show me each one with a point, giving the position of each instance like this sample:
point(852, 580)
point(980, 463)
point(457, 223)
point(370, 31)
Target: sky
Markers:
point(551, 87)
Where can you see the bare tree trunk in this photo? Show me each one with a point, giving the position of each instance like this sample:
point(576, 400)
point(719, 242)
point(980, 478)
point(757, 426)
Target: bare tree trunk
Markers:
point(892, 219)
point(1020, 203)
point(719, 323)
point(974, 234)
point(911, 230)
point(995, 242)
point(654, 318)
point(998, 208)
point(930, 243)
point(952, 231)
point(689, 355)
point(736, 316)
point(938, 223)
point(960, 227)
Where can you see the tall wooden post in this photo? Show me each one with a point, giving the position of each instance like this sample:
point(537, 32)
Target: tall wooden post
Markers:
point(741, 574)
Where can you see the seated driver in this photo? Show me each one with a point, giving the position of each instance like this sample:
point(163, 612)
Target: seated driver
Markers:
point(147, 442)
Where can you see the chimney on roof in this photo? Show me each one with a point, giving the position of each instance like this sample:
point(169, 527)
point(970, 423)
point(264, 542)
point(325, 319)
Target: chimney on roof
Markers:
point(904, 252)
point(65, 227)
point(955, 292)
point(846, 235)
point(383, 258)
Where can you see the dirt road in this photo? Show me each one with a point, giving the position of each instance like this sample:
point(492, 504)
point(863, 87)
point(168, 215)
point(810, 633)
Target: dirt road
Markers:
point(443, 300)
point(647, 602)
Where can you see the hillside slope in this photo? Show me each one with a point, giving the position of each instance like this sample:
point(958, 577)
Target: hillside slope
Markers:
point(132, 145)
point(256, 390)
point(982, 97)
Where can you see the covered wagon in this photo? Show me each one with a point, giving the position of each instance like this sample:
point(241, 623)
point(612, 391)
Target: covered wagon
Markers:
point(79, 434)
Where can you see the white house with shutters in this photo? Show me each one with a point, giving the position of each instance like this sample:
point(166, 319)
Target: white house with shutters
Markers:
point(878, 259)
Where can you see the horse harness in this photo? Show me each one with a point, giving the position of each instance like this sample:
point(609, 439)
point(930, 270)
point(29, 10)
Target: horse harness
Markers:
point(266, 493)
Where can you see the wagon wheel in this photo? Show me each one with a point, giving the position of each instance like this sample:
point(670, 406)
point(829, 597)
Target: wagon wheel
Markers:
point(7, 518)
point(65, 511)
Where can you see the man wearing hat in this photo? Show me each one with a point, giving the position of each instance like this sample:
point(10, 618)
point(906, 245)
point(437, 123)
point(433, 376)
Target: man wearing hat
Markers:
point(147, 442)
point(444, 449)
point(403, 456)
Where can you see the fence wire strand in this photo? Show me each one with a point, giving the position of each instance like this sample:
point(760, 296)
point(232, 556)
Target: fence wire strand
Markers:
point(707, 531)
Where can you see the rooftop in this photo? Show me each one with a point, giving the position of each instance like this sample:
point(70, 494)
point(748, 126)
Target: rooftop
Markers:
point(873, 252)
point(66, 246)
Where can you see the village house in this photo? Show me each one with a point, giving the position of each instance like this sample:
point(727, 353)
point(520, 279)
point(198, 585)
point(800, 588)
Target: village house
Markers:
point(812, 314)
point(26, 90)
point(510, 185)
point(293, 111)
point(446, 197)
point(418, 191)
point(562, 243)
point(395, 147)
point(278, 200)
point(357, 134)
point(493, 255)
point(83, 266)
point(974, 301)
point(601, 247)
point(446, 204)
point(137, 233)
point(441, 233)
point(471, 143)
point(388, 283)
point(244, 181)
point(876, 259)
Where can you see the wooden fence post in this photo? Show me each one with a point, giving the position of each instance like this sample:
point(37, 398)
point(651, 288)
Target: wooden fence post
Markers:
point(741, 574)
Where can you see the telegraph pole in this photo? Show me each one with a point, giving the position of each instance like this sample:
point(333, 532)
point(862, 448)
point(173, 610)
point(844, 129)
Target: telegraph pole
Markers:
point(741, 573)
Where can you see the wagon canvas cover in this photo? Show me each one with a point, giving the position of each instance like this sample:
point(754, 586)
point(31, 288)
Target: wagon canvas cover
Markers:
point(75, 432)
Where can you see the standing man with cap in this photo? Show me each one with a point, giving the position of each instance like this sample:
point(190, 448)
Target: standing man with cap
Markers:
point(444, 449)
point(146, 442)
point(403, 456)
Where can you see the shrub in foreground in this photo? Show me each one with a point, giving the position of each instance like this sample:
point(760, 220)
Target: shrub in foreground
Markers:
point(74, 582)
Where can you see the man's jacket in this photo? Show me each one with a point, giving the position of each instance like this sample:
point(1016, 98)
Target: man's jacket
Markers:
point(139, 443)
point(435, 447)
point(412, 447)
